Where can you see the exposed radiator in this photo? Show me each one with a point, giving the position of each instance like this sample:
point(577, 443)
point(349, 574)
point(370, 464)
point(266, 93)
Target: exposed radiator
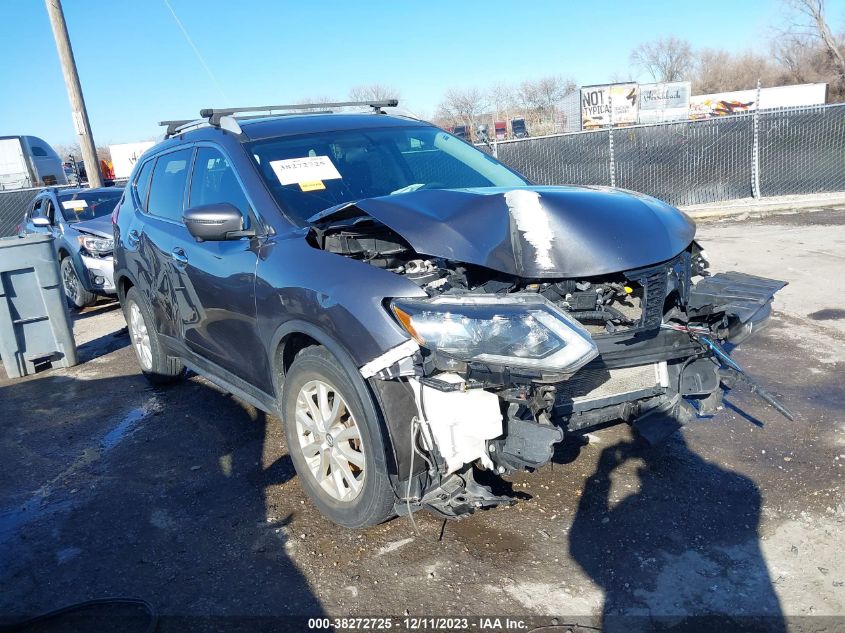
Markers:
point(596, 384)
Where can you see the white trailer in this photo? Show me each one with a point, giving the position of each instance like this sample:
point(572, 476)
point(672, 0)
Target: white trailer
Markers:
point(28, 161)
point(125, 155)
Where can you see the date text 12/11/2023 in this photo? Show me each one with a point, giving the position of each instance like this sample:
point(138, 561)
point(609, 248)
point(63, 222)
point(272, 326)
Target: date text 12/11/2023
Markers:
point(428, 623)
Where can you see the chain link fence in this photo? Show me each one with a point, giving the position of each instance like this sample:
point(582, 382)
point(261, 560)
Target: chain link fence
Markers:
point(769, 153)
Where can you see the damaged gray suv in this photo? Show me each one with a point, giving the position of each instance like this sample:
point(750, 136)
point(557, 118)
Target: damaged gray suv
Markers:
point(411, 308)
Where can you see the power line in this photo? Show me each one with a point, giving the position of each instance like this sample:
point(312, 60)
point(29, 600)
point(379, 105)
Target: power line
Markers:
point(196, 50)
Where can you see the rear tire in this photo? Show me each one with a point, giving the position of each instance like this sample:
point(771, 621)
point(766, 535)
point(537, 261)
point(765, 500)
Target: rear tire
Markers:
point(75, 293)
point(334, 440)
point(157, 367)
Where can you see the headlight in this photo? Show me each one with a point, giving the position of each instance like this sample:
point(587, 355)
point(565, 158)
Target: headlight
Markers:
point(97, 245)
point(515, 331)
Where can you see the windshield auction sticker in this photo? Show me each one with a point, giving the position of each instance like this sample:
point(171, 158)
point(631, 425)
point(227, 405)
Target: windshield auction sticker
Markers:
point(76, 205)
point(309, 169)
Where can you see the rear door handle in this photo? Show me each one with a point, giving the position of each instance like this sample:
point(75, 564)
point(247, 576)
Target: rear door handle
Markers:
point(179, 256)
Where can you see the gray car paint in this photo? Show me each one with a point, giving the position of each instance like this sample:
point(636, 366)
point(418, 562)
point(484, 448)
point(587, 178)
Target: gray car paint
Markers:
point(247, 300)
point(570, 231)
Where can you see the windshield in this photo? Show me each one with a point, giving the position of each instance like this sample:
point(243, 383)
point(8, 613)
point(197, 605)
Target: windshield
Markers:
point(307, 174)
point(87, 205)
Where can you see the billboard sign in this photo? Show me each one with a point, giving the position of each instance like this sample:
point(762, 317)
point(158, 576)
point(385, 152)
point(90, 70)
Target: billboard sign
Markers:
point(738, 101)
point(611, 104)
point(664, 101)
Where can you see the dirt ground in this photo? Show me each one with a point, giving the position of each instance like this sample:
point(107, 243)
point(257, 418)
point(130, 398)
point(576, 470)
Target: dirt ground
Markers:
point(185, 496)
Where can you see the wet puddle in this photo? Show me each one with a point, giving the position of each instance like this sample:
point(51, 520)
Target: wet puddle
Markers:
point(47, 499)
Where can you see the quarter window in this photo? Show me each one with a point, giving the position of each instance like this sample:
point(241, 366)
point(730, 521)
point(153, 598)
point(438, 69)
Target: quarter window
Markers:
point(142, 182)
point(214, 181)
point(167, 189)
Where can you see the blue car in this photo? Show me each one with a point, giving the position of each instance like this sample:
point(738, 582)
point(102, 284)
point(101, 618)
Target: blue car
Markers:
point(80, 220)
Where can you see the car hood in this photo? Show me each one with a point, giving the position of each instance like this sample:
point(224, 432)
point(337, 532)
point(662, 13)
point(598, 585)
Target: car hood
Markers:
point(101, 227)
point(532, 232)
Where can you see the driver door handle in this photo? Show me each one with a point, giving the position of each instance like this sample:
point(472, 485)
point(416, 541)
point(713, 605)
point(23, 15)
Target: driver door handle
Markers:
point(179, 256)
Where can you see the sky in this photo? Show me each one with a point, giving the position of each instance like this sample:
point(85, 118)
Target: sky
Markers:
point(137, 67)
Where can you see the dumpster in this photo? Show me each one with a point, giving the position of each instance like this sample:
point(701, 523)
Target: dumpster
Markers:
point(35, 330)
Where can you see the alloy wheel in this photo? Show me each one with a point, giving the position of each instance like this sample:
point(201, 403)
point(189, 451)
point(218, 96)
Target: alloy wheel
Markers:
point(70, 282)
point(140, 337)
point(330, 440)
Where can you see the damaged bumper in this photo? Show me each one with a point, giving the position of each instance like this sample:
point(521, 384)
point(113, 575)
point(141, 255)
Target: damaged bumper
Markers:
point(458, 414)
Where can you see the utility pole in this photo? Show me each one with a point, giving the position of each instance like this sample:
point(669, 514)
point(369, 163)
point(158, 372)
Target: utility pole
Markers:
point(74, 93)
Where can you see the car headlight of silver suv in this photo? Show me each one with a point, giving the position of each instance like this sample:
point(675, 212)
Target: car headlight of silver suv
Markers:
point(524, 331)
point(96, 245)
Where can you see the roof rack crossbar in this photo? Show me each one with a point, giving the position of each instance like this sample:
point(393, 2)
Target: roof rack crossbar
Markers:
point(179, 125)
point(214, 114)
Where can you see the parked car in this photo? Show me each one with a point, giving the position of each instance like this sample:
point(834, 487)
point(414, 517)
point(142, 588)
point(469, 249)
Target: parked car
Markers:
point(463, 132)
point(413, 309)
point(519, 128)
point(80, 220)
point(28, 161)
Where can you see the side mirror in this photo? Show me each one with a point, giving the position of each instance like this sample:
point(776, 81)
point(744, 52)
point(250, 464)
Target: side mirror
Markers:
point(40, 221)
point(215, 222)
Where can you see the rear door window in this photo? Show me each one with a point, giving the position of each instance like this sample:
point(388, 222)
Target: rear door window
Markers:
point(167, 189)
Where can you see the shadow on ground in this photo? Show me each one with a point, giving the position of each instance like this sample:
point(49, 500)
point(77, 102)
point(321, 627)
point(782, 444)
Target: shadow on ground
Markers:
point(678, 551)
point(170, 508)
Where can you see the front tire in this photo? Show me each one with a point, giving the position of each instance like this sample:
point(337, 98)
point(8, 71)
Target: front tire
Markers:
point(335, 442)
point(157, 367)
point(75, 293)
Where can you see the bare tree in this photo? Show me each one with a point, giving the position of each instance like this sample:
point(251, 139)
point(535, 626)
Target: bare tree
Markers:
point(666, 59)
point(501, 98)
point(462, 105)
point(316, 101)
point(540, 98)
point(373, 92)
point(721, 71)
point(812, 20)
point(64, 150)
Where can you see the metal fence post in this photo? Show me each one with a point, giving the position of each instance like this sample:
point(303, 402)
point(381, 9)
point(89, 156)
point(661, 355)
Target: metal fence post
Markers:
point(755, 148)
point(612, 157)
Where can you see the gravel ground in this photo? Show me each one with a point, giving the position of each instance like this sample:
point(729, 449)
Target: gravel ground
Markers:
point(186, 497)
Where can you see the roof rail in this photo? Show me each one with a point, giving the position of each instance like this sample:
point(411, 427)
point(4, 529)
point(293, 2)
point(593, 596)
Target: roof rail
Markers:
point(214, 114)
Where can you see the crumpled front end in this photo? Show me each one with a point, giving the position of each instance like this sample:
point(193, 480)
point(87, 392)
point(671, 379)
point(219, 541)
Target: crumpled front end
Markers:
point(501, 366)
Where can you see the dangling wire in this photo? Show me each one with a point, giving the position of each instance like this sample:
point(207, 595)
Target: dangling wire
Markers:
point(414, 426)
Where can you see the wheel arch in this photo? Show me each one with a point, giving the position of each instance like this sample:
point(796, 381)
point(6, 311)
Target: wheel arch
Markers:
point(295, 335)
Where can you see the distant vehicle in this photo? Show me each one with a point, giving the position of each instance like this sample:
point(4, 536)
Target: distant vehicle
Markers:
point(28, 161)
point(518, 128)
point(75, 171)
point(125, 155)
point(501, 128)
point(80, 220)
point(462, 132)
point(482, 133)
